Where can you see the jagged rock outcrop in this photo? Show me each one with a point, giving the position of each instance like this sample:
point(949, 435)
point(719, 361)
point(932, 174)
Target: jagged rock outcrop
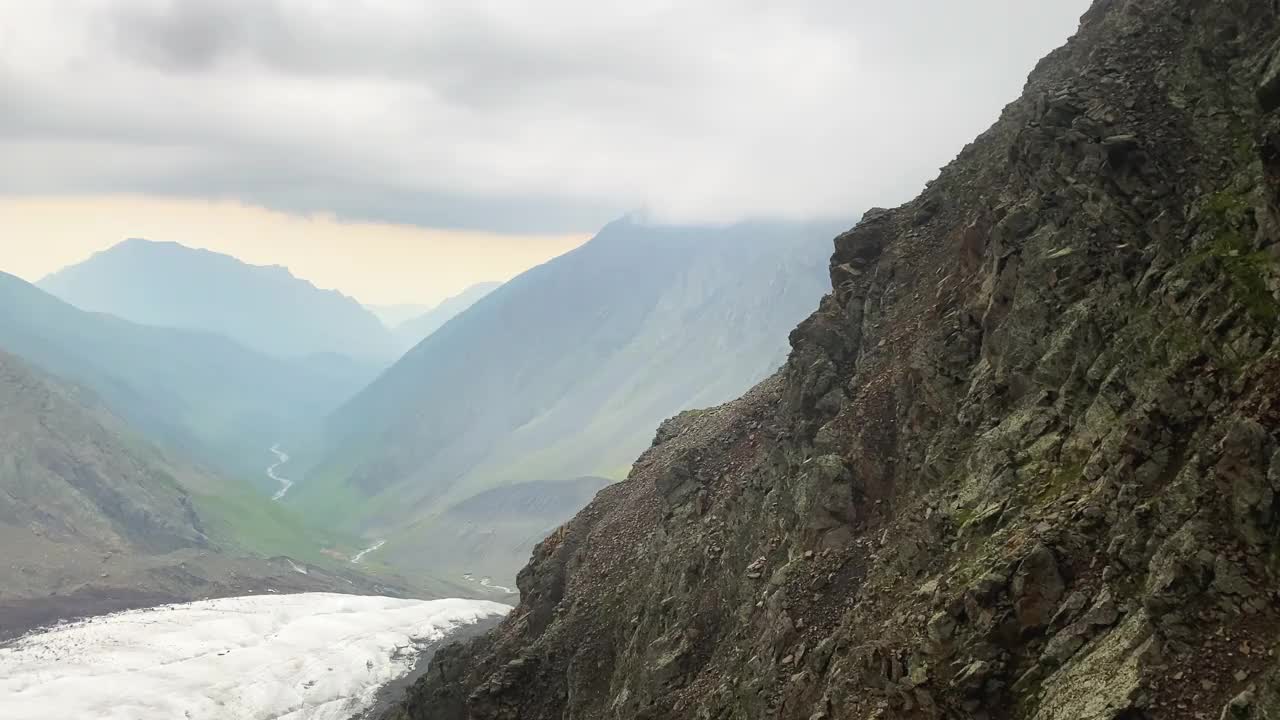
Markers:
point(1023, 461)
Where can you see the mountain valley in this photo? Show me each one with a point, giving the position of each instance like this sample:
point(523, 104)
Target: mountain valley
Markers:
point(1005, 449)
point(561, 373)
point(196, 392)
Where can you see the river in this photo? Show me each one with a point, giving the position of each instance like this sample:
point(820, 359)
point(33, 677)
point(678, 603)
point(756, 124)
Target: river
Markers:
point(282, 457)
point(355, 559)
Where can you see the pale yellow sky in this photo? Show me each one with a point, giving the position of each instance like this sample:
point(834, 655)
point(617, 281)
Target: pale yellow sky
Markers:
point(376, 263)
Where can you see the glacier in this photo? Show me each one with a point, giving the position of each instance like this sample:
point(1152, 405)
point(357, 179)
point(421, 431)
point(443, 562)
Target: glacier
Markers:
point(309, 656)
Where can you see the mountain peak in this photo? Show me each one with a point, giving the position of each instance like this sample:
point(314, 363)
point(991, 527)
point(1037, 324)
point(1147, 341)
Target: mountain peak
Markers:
point(263, 307)
point(137, 246)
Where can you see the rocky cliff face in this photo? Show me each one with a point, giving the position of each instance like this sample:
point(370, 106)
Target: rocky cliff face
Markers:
point(1022, 462)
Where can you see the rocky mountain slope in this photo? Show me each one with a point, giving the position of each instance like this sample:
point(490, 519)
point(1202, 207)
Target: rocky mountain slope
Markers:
point(200, 393)
point(93, 518)
point(59, 481)
point(263, 308)
point(1022, 461)
point(564, 371)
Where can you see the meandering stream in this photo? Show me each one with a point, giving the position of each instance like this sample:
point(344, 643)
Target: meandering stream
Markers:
point(282, 457)
point(487, 584)
point(355, 559)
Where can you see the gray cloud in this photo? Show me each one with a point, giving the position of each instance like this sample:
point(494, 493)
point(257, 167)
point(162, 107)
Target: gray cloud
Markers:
point(505, 114)
point(185, 36)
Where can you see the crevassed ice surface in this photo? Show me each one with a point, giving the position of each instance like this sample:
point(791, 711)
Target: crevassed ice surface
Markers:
point(311, 656)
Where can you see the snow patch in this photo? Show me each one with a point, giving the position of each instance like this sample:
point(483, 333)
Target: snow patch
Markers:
point(310, 656)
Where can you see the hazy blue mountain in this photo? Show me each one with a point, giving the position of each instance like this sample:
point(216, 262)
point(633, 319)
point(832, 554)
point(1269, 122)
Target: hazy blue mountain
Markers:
point(93, 517)
point(393, 315)
point(566, 370)
point(264, 308)
point(414, 330)
point(193, 391)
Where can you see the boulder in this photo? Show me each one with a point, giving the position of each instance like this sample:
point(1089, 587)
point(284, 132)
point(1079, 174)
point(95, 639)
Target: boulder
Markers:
point(1037, 587)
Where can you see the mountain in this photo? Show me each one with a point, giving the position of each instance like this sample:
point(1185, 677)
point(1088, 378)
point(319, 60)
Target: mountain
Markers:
point(93, 518)
point(1022, 462)
point(263, 308)
point(393, 315)
point(63, 478)
point(491, 534)
point(564, 371)
point(413, 330)
point(195, 392)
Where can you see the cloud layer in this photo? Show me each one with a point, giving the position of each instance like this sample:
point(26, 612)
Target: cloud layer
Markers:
point(509, 115)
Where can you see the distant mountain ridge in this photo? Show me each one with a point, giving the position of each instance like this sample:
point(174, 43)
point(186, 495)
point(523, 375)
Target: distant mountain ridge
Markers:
point(414, 330)
point(194, 391)
point(393, 315)
point(264, 308)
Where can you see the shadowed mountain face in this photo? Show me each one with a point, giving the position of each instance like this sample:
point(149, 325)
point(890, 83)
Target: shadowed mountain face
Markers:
point(413, 330)
point(566, 370)
point(263, 308)
point(193, 391)
point(68, 477)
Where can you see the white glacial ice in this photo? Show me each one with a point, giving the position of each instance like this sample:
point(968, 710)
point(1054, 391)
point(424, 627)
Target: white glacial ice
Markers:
point(310, 656)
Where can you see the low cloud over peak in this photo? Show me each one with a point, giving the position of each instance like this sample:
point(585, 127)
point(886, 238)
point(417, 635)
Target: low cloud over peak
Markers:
point(506, 115)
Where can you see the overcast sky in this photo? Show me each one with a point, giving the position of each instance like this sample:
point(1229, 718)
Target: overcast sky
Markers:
point(507, 116)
